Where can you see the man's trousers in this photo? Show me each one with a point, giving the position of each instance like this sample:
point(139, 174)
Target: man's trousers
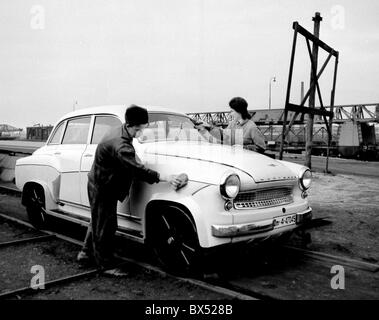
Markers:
point(99, 241)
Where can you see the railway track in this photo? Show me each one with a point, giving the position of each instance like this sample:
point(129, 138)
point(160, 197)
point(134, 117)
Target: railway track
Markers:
point(234, 287)
point(48, 235)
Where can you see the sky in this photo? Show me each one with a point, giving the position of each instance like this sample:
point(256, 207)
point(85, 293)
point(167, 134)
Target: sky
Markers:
point(187, 55)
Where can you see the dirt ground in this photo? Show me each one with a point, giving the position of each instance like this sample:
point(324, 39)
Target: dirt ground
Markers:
point(352, 204)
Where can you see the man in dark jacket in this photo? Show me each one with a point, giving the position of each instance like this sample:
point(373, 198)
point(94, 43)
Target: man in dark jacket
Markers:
point(112, 173)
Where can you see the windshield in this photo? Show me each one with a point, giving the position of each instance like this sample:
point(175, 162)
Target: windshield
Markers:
point(169, 127)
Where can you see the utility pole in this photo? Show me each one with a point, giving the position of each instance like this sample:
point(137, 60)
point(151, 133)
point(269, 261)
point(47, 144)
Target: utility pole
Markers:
point(309, 134)
point(301, 91)
point(272, 79)
point(301, 100)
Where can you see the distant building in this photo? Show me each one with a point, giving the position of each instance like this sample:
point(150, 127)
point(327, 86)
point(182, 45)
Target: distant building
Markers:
point(8, 132)
point(38, 132)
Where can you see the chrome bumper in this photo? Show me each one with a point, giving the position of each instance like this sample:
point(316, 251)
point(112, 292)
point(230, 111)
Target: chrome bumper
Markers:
point(235, 230)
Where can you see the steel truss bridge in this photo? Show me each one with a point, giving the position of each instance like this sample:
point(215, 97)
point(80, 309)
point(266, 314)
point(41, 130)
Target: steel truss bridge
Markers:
point(270, 122)
point(342, 113)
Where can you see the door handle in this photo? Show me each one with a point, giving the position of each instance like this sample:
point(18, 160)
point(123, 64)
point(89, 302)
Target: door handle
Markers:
point(57, 153)
point(88, 155)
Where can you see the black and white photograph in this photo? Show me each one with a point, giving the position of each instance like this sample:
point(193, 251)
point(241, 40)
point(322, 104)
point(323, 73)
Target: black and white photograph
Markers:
point(189, 156)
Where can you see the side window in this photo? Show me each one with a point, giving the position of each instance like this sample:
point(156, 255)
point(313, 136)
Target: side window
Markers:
point(77, 131)
point(102, 125)
point(57, 134)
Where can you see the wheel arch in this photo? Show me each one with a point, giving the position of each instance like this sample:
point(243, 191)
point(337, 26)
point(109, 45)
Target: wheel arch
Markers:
point(49, 200)
point(156, 204)
point(190, 206)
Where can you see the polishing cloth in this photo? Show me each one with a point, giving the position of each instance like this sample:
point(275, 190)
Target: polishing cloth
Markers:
point(184, 180)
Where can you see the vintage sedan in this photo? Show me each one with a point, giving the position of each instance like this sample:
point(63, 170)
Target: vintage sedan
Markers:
point(233, 195)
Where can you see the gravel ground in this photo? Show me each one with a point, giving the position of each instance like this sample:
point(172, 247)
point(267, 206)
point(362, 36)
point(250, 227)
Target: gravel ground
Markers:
point(352, 203)
point(138, 285)
point(16, 262)
point(58, 260)
point(10, 232)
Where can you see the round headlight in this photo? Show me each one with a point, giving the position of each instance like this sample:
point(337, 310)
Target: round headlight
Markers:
point(305, 179)
point(230, 186)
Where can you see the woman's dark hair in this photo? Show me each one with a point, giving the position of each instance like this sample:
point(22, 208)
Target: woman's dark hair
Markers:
point(240, 105)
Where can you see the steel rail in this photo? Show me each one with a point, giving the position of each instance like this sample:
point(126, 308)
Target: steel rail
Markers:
point(325, 257)
point(27, 240)
point(7, 189)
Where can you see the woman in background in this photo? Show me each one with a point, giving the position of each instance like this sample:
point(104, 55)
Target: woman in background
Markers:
point(240, 127)
point(253, 138)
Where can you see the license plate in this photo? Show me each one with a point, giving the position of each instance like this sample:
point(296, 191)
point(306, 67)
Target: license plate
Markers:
point(284, 221)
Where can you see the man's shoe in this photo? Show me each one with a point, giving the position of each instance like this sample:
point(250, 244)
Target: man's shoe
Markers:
point(83, 257)
point(116, 272)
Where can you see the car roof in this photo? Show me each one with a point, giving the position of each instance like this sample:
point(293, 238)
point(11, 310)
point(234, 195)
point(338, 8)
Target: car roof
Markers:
point(118, 110)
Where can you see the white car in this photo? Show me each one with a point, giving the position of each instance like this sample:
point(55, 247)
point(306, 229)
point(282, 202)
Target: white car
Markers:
point(233, 195)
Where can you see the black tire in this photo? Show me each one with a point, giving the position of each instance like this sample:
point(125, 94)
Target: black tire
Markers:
point(35, 206)
point(174, 241)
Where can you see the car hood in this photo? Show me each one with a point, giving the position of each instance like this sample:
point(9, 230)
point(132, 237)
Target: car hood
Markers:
point(259, 167)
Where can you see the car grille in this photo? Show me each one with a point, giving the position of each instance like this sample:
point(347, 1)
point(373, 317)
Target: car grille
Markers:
point(263, 198)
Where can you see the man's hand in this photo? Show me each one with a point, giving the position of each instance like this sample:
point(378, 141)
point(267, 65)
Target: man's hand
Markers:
point(177, 181)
